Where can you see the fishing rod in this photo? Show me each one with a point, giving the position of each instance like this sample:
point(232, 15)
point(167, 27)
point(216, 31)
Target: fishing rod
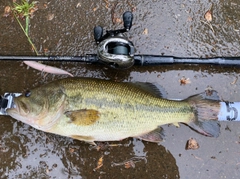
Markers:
point(115, 50)
point(141, 60)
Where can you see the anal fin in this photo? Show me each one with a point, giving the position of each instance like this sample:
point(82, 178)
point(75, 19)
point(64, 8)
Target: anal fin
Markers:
point(152, 88)
point(153, 136)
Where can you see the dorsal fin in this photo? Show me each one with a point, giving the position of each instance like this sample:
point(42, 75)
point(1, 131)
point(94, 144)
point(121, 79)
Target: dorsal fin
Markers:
point(152, 88)
point(156, 135)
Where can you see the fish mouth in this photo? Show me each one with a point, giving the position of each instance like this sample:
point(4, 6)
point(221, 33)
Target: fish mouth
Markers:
point(13, 110)
point(18, 107)
point(19, 111)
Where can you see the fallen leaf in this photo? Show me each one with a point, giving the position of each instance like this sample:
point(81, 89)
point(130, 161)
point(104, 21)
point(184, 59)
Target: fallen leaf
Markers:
point(184, 81)
point(95, 8)
point(99, 164)
point(107, 4)
point(45, 5)
point(192, 144)
point(145, 32)
point(7, 11)
point(118, 20)
point(134, 9)
point(32, 10)
point(208, 14)
point(129, 164)
point(209, 91)
point(100, 161)
point(50, 17)
point(189, 19)
point(78, 5)
point(71, 150)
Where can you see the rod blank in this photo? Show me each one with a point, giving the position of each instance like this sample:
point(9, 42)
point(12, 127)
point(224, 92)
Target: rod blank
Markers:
point(139, 59)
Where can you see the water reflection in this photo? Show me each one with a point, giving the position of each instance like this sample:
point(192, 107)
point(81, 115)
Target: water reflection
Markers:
point(138, 148)
point(29, 153)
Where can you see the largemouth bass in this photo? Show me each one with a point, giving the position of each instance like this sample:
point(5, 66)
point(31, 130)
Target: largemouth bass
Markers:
point(100, 110)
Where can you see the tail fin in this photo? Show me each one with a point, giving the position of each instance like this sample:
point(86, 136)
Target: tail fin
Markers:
point(205, 115)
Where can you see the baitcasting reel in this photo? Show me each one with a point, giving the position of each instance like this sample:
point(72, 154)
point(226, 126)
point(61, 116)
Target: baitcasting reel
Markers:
point(114, 49)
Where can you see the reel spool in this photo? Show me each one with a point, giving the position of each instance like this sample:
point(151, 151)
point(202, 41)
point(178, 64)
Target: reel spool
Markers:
point(114, 49)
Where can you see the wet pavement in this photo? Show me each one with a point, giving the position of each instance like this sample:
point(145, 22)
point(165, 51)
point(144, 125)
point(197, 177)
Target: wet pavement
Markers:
point(160, 27)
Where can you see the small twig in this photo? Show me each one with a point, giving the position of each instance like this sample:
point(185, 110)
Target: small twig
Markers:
point(210, 25)
point(131, 161)
point(198, 158)
point(235, 81)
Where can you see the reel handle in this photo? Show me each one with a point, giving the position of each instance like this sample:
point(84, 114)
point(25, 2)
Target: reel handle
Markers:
point(98, 33)
point(127, 20)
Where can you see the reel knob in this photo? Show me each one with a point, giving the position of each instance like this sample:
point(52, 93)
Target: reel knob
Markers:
point(127, 20)
point(98, 32)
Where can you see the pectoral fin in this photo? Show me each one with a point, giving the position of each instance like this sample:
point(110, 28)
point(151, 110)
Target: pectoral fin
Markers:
point(87, 139)
point(83, 117)
point(153, 136)
point(154, 89)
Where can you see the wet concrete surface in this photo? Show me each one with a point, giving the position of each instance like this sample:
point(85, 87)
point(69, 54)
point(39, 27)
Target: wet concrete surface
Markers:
point(160, 27)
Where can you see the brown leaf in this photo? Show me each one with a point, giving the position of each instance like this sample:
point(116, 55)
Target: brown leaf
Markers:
point(32, 10)
point(7, 11)
point(192, 144)
point(78, 5)
point(208, 14)
point(95, 8)
point(184, 81)
point(129, 164)
point(45, 5)
point(50, 16)
point(145, 32)
point(99, 164)
point(209, 91)
point(71, 150)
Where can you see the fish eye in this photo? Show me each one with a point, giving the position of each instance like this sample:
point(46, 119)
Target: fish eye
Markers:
point(27, 93)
